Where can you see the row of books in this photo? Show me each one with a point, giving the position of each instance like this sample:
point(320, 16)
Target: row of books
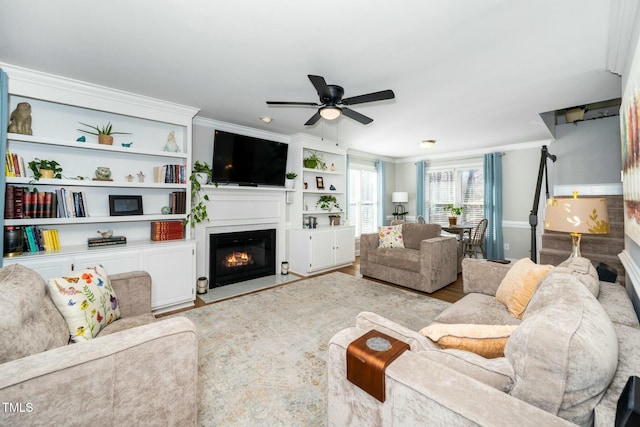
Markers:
point(167, 230)
point(61, 203)
point(35, 239)
point(170, 174)
point(93, 242)
point(14, 165)
point(178, 202)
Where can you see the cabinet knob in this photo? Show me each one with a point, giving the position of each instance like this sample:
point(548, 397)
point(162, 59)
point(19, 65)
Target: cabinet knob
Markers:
point(73, 267)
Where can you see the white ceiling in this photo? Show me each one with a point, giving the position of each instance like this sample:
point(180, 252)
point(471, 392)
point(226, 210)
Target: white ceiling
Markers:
point(470, 74)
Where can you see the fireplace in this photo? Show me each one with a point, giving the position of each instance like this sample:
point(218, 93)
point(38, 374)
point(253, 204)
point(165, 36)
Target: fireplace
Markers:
point(239, 256)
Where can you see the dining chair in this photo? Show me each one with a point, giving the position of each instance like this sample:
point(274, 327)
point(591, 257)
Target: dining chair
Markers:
point(421, 220)
point(474, 243)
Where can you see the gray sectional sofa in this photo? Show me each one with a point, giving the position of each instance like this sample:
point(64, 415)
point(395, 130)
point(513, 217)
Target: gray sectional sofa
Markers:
point(137, 371)
point(427, 262)
point(565, 363)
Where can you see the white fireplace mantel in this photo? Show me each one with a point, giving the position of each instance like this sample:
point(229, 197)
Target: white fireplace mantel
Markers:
point(234, 208)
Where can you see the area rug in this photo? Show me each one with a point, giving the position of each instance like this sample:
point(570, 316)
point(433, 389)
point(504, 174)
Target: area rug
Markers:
point(262, 357)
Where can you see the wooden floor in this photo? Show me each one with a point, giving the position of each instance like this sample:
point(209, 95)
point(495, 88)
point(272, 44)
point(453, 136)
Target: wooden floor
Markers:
point(451, 293)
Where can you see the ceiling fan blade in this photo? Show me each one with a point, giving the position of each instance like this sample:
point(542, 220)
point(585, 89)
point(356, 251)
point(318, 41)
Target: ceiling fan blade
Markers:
point(321, 86)
point(356, 116)
point(311, 104)
point(314, 119)
point(370, 97)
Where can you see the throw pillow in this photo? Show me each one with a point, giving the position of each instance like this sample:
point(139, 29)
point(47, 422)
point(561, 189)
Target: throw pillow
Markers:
point(390, 236)
point(519, 284)
point(86, 300)
point(485, 340)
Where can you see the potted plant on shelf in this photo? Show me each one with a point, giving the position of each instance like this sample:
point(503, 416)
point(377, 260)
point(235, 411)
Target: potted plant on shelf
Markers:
point(45, 169)
point(328, 202)
point(314, 160)
point(104, 133)
point(455, 213)
point(289, 181)
point(200, 175)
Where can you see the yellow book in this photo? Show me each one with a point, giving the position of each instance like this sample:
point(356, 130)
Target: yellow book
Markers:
point(46, 234)
point(56, 239)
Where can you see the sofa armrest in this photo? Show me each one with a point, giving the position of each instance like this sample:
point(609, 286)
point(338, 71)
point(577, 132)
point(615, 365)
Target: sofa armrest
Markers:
point(420, 391)
point(133, 290)
point(482, 276)
point(145, 375)
point(366, 321)
point(438, 262)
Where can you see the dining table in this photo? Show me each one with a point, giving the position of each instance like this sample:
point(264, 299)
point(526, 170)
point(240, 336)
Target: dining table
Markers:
point(459, 229)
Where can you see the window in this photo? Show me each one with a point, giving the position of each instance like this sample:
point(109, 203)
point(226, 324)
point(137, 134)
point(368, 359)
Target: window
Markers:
point(362, 209)
point(461, 185)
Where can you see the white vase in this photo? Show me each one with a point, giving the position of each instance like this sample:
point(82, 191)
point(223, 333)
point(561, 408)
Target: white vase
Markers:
point(202, 178)
point(289, 183)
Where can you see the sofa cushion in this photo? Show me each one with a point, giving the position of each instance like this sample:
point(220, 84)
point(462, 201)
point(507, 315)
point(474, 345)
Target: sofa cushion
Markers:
point(519, 284)
point(29, 322)
point(413, 234)
point(485, 340)
point(477, 308)
point(127, 323)
point(497, 373)
point(390, 236)
point(86, 300)
point(585, 272)
point(565, 351)
point(403, 259)
point(614, 299)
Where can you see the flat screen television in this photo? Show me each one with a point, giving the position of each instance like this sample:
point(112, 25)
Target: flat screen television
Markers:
point(245, 160)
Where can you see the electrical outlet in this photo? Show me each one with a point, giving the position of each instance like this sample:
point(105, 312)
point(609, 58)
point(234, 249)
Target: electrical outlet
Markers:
point(506, 246)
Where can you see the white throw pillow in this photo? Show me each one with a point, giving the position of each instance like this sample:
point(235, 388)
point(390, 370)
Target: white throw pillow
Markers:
point(390, 236)
point(86, 300)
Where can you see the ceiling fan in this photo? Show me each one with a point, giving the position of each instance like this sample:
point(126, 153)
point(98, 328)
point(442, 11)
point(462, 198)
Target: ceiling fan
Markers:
point(332, 105)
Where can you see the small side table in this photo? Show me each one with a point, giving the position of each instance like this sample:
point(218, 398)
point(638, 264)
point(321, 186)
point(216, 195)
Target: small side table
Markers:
point(368, 358)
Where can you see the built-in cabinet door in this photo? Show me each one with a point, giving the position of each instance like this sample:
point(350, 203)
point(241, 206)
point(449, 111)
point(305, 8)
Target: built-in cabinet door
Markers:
point(345, 245)
point(113, 262)
point(172, 272)
point(48, 268)
point(321, 250)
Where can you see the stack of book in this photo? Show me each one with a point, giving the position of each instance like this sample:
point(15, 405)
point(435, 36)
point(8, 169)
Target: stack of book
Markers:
point(14, 165)
point(170, 174)
point(93, 242)
point(13, 202)
point(167, 230)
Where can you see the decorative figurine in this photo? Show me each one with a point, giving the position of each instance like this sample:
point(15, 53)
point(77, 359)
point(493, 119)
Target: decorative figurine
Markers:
point(127, 144)
point(82, 139)
point(129, 178)
point(331, 187)
point(165, 210)
point(171, 145)
point(21, 119)
point(333, 167)
point(306, 186)
point(140, 176)
point(106, 234)
point(103, 173)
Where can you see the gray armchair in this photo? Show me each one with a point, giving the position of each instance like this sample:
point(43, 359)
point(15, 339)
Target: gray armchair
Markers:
point(428, 261)
point(137, 371)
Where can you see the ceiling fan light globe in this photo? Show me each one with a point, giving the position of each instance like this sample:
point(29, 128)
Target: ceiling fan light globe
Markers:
point(330, 113)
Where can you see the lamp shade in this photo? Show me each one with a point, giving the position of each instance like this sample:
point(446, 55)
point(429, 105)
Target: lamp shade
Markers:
point(399, 197)
point(574, 215)
point(330, 112)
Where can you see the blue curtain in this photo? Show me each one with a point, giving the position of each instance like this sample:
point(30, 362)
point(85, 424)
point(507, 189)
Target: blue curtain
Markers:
point(421, 168)
point(493, 241)
point(4, 115)
point(381, 168)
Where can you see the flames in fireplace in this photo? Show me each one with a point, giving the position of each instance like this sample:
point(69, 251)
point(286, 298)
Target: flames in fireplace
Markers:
point(238, 259)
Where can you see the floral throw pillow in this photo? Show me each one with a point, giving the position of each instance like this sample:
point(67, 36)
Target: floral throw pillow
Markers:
point(390, 236)
point(86, 300)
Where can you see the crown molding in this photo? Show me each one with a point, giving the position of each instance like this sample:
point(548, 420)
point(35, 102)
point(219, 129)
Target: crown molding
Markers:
point(622, 20)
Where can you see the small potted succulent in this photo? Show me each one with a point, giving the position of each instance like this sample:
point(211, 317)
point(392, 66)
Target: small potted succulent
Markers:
point(455, 213)
point(104, 133)
point(289, 181)
point(45, 169)
point(328, 202)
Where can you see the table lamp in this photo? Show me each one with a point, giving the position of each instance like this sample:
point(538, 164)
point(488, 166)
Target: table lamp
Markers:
point(400, 197)
point(577, 216)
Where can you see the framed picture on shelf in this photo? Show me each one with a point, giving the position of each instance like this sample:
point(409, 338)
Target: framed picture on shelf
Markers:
point(125, 205)
point(319, 183)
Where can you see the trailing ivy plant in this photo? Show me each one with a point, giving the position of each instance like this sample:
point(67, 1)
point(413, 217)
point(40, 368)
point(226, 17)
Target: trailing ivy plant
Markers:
point(198, 212)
